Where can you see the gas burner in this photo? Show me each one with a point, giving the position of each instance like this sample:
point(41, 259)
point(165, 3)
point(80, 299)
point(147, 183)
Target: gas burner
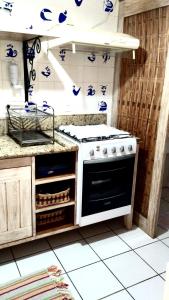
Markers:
point(92, 133)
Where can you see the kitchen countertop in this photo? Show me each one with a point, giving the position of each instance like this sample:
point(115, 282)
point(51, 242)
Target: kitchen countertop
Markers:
point(10, 149)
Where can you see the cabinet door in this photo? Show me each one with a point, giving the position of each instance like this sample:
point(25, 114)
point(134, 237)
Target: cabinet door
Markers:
point(15, 204)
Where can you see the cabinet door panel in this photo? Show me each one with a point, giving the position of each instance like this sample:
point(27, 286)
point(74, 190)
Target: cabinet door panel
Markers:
point(3, 208)
point(15, 204)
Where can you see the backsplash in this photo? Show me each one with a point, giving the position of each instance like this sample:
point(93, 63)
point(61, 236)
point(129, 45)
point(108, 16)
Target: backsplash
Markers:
point(73, 83)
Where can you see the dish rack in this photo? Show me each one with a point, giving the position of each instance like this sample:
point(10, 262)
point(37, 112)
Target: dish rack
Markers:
point(33, 126)
point(44, 200)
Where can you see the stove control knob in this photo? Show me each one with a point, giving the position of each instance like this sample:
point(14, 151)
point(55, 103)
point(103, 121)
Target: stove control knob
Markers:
point(113, 150)
point(130, 147)
point(122, 148)
point(105, 151)
point(91, 152)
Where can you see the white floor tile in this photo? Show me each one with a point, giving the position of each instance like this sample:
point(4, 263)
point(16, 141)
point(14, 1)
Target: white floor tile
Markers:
point(37, 262)
point(71, 287)
point(119, 296)
point(163, 275)
point(151, 289)
point(5, 255)
point(64, 238)
point(95, 281)
point(129, 268)
point(107, 245)
point(162, 233)
point(76, 255)
point(30, 248)
point(94, 229)
point(166, 242)
point(8, 272)
point(156, 255)
point(135, 237)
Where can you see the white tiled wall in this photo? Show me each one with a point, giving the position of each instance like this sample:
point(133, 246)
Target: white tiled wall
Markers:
point(76, 70)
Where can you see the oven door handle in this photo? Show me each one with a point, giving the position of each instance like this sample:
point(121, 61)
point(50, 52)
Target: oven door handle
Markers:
point(109, 159)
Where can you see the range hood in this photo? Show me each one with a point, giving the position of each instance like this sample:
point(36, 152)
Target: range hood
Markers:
point(95, 42)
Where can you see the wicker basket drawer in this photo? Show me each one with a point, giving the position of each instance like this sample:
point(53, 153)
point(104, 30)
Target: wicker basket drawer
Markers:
point(51, 217)
point(44, 200)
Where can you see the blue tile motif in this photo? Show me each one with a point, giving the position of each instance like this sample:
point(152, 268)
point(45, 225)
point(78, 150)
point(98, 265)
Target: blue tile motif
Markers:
point(102, 106)
point(108, 6)
point(10, 52)
point(43, 14)
point(45, 105)
point(92, 57)
point(103, 89)
point(62, 16)
point(91, 91)
point(78, 2)
point(62, 54)
point(106, 57)
point(76, 91)
point(30, 90)
point(7, 5)
point(47, 72)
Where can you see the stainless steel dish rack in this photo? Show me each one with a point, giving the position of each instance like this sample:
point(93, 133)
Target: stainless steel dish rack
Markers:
point(31, 126)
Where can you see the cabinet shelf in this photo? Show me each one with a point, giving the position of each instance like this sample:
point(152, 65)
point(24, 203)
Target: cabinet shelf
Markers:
point(54, 230)
point(48, 208)
point(55, 178)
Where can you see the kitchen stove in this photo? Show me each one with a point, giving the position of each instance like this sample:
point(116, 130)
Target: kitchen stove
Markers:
point(105, 170)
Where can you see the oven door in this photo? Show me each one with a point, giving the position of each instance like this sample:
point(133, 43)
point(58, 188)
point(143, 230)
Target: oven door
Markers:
point(107, 184)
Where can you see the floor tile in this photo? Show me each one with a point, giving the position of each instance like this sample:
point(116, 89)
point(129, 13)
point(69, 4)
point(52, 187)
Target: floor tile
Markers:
point(163, 275)
point(30, 248)
point(107, 245)
point(76, 255)
point(64, 238)
point(71, 287)
point(119, 296)
point(5, 255)
point(8, 272)
point(156, 255)
point(94, 229)
point(166, 242)
point(135, 237)
point(37, 262)
point(95, 281)
point(151, 289)
point(129, 268)
point(162, 233)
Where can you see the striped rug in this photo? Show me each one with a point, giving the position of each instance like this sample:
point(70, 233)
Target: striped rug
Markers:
point(45, 285)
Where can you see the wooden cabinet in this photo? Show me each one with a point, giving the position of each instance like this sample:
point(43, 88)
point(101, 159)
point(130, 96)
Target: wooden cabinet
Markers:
point(55, 196)
point(15, 200)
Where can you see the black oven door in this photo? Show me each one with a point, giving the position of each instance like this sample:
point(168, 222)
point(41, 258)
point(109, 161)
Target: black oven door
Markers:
point(107, 184)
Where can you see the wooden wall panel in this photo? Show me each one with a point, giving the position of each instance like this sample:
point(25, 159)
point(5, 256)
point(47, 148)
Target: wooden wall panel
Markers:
point(141, 87)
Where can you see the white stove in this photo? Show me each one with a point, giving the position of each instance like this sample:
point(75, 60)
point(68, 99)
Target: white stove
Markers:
point(105, 169)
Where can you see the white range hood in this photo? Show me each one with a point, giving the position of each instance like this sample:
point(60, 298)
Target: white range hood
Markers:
point(95, 41)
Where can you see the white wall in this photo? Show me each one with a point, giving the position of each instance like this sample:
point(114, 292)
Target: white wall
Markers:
point(76, 70)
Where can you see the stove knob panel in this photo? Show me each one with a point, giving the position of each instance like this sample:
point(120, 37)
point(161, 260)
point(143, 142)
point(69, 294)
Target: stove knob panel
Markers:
point(130, 147)
point(122, 149)
point(104, 151)
point(113, 150)
point(91, 152)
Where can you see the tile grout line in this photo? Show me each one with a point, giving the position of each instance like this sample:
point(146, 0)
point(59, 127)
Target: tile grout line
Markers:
point(139, 255)
point(15, 261)
point(110, 272)
point(64, 269)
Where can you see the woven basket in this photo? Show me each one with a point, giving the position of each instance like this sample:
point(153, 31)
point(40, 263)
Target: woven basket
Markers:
point(51, 217)
point(44, 200)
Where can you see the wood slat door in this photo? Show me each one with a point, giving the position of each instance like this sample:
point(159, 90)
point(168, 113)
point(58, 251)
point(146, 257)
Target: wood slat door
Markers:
point(15, 204)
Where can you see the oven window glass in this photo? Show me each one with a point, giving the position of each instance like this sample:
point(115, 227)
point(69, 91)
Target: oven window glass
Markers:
point(107, 185)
